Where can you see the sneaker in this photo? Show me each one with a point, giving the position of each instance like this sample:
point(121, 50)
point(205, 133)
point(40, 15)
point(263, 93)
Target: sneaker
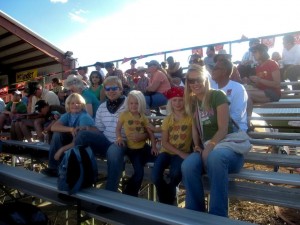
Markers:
point(50, 172)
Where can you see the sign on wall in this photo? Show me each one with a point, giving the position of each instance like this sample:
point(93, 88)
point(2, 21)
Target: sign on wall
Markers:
point(26, 75)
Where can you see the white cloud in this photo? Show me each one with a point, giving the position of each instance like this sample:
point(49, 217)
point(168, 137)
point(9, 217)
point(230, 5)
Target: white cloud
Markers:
point(59, 1)
point(77, 18)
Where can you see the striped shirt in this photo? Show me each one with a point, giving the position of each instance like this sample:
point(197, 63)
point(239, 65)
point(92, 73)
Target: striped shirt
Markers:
point(106, 122)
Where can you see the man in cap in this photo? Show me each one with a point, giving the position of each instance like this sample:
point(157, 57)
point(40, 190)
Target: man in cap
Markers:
point(113, 71)
point(248, 63)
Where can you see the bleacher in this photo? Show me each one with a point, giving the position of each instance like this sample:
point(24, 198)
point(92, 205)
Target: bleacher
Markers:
point(268, 187)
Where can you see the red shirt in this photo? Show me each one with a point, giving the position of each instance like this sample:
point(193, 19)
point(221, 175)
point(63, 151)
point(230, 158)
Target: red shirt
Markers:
point(264, 71)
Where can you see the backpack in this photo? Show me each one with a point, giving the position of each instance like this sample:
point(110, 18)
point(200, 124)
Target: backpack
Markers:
point(78, 169)
point(17, 213)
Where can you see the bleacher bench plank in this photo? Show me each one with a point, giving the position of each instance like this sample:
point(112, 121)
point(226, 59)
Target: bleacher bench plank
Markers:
point(274, 135)
point(38, 185)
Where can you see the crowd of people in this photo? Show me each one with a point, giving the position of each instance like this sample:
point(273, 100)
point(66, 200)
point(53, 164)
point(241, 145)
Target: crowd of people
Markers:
point(108, 112)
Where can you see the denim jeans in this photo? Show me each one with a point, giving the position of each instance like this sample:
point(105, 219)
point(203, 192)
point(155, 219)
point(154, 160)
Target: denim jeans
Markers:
point(166, 190)
point(220, 163)
point(102, 147)
point(138, 159)
point(155, 100)
point(58, 140)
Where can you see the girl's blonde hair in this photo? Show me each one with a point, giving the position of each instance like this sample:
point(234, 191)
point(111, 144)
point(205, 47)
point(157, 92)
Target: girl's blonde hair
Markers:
point(76, 97)
point(170, 109)
point(190, 99)
point(139, 96)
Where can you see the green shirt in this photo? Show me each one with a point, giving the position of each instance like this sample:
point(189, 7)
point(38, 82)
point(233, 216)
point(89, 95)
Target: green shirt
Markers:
point(20, 107)
point(209, 118)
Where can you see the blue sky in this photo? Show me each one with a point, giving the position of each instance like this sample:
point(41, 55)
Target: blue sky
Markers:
point(103, 30)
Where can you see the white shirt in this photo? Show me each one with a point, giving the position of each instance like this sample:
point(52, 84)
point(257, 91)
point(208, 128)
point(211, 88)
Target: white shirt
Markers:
point(292, 56)
point(238, 97)
point(107, 122)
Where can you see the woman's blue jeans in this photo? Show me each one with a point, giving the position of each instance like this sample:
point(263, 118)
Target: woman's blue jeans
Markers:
point(155, 100)
point(166, 190)
point(220, 163)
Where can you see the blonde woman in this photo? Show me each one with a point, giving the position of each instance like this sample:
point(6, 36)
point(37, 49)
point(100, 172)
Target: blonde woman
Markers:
point(210, 110)
point(65, 129)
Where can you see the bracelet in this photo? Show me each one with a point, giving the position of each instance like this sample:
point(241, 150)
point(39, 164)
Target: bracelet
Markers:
point(119, 138)
point(197, 147)
point(212, 143)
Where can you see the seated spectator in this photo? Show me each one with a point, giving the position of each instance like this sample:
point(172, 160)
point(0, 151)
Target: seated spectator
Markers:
point(248, 63)
point(132, 71)
point(2, 105)
point(99, 67)
point(96, 86)
point(265, 85)
point(235, 76)
point(37, 121)
point(62, 96)
point(139, 153)
point(131, 74)
point(76, 85)
point(13, 110)
point(211, 123)
point(291, 60)
point(209, 59)
point(143, 82)
point(196, 59)
point(174, 71)
point(57, 85)
point(176, 146)
point(112, 71)
point(276, 57)
point(82, 71)
point(164, 65)
point(48, 115)
point(158, 84)
point(103, 140)
point(35, 92)
point(65, 130)
point(235, 92)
